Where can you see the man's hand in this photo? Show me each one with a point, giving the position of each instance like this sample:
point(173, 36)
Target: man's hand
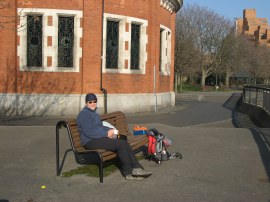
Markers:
point(110, 133)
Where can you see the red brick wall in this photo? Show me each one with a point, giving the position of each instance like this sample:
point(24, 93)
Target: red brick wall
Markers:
point(52, 4)
point(88, 79)
point(49, 82)
point(8, 53)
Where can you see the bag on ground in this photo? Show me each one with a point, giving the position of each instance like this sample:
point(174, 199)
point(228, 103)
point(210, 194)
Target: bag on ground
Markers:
point(139, 130)
point(157, 147)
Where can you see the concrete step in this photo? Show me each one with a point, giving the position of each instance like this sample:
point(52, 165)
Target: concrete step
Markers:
point(190, 96)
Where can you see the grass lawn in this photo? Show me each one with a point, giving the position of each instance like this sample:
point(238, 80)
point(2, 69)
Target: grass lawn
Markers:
point(189, 87)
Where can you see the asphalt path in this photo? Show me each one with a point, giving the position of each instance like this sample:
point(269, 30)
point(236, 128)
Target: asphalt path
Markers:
point(212, 109)
point(220, 162)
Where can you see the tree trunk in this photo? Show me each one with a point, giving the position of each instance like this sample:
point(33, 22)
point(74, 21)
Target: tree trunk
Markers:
point(227, 79)
point(203, 78)
point(175, 84)
point(181, 83)
point(178, 80)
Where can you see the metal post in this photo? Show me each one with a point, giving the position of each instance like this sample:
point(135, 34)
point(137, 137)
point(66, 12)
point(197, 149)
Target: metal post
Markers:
point(155, 88)
point(101, 62)
point(256, 98)
point(57, 151)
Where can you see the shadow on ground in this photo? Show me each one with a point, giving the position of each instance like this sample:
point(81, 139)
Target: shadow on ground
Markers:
point(245, 117)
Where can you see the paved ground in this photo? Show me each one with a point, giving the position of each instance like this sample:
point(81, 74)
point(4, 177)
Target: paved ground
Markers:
point(220, 162)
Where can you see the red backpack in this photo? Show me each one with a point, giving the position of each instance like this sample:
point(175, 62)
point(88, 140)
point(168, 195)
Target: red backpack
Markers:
point(152, 141)
point(157, 147)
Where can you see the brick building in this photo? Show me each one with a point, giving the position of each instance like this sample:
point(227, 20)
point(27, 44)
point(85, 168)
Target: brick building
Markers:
point(257, 29)
point(60, 50)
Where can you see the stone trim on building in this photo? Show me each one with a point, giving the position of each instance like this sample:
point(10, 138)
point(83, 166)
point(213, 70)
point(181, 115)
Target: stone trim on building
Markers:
point(13, 104)
point(49, 39)
point(166, 50)
point(125, 44)
point(172, 5)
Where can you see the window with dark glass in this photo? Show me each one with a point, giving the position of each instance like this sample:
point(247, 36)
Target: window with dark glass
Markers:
point(65, 41)
point(160, 49)
point(135, 46)
point(112, 44)
point(34, 41)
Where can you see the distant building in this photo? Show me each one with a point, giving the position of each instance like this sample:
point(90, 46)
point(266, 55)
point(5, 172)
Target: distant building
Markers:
point(57, 51)
point(255, 28)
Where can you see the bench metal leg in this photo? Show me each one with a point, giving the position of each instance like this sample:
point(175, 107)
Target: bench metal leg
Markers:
point(58, 165)
point(100, 166)
point(58, 171)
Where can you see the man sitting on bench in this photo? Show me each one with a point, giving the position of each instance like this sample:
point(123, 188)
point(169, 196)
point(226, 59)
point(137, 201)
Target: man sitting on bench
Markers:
point(94, 135)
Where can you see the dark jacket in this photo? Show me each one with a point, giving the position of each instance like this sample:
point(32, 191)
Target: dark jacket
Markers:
point(90, 125)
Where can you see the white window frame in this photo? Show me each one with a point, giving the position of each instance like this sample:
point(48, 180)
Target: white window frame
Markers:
point(49, 51)
point(166, 40)
point(124, 37)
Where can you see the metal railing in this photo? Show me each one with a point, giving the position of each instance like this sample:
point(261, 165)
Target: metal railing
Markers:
point(258, 95)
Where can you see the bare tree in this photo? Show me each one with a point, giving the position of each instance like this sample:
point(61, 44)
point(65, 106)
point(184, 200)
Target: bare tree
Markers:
point(259, 63)
point(265, 64)
point(232, 55)
point(249, 57)
point(186, 54)
point(208, 30)
point(253, 58)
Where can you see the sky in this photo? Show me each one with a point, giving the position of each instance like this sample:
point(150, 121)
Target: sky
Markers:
point(234, 8)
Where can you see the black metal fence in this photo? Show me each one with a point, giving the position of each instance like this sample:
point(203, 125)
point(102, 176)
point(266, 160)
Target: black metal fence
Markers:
point(258, 95)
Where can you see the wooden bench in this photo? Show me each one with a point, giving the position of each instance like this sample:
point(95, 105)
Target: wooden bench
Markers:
point(96, 157)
